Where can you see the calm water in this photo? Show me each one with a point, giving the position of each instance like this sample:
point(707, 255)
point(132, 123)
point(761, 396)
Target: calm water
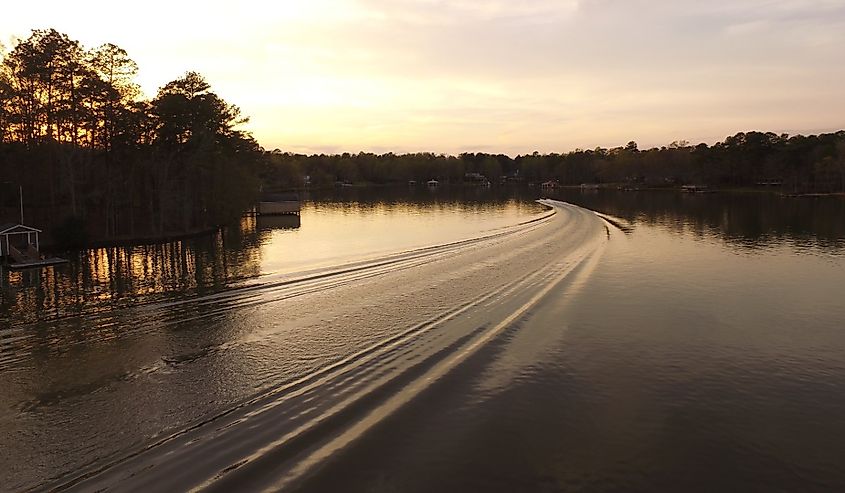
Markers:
point(334, 228)
point(443, 340)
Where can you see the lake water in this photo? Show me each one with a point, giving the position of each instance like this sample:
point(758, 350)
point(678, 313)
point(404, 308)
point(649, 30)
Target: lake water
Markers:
point(334, 228)
point(455, 340)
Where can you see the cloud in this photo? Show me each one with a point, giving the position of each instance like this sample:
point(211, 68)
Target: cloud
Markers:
point(463, 12)
point(449, 75)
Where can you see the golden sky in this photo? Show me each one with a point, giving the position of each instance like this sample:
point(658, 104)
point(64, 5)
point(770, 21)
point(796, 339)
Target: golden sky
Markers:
point(483, 75)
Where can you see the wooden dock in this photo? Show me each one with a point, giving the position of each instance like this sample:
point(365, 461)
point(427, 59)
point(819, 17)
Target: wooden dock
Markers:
point(33, 264)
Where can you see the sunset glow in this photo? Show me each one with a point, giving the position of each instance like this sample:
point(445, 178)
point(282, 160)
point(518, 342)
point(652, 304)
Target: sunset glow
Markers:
point(486, 75)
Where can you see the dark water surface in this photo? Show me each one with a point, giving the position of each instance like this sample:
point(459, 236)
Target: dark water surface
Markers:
point(682, 343)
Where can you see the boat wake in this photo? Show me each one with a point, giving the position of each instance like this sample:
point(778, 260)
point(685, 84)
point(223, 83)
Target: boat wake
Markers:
point(325, 357)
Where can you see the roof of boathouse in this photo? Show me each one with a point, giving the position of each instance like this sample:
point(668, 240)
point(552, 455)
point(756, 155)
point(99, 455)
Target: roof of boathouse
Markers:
point(12, 228)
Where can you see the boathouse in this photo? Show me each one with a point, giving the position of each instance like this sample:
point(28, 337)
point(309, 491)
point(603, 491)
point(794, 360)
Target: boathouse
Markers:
point(17, 239)
point(276, 204)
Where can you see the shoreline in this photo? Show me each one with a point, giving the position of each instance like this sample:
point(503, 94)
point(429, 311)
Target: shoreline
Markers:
point(156, 239)
point(134, 241)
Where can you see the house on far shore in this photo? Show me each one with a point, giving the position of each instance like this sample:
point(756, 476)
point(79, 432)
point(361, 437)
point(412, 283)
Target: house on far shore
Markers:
point(512, 177)
point(549, 184)
point(433, 183)
point(695, 188)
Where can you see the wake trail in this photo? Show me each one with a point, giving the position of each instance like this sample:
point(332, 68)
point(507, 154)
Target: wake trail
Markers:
point(153, 316)
point(279, 436)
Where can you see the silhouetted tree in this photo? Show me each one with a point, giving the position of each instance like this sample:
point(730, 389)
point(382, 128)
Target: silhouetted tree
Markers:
point(74, 129)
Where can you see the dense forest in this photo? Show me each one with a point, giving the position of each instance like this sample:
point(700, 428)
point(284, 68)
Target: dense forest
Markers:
point(797, 164)
point(96, 160)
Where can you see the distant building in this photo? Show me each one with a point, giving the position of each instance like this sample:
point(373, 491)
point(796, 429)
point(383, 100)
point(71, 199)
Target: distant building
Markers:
point(477, 178)
point(512, 177)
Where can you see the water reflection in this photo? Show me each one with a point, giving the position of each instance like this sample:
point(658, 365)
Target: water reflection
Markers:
point(105, 278)
point(269, 223)
point(691, 334)
point(744, 220)
point(336, 226)
point(463, 198)
point(345, 224)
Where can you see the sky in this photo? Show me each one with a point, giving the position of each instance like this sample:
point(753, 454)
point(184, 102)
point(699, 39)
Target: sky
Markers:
point(504, 76)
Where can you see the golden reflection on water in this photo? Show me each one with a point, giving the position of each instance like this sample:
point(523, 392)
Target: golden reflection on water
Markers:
point(327, 233)
point(361, 224)
point(338, 232)
point(104, 278)
point(746, 221)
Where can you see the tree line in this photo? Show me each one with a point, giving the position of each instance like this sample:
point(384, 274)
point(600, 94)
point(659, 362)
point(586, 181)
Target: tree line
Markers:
point(96, 159)
point(792, 164)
